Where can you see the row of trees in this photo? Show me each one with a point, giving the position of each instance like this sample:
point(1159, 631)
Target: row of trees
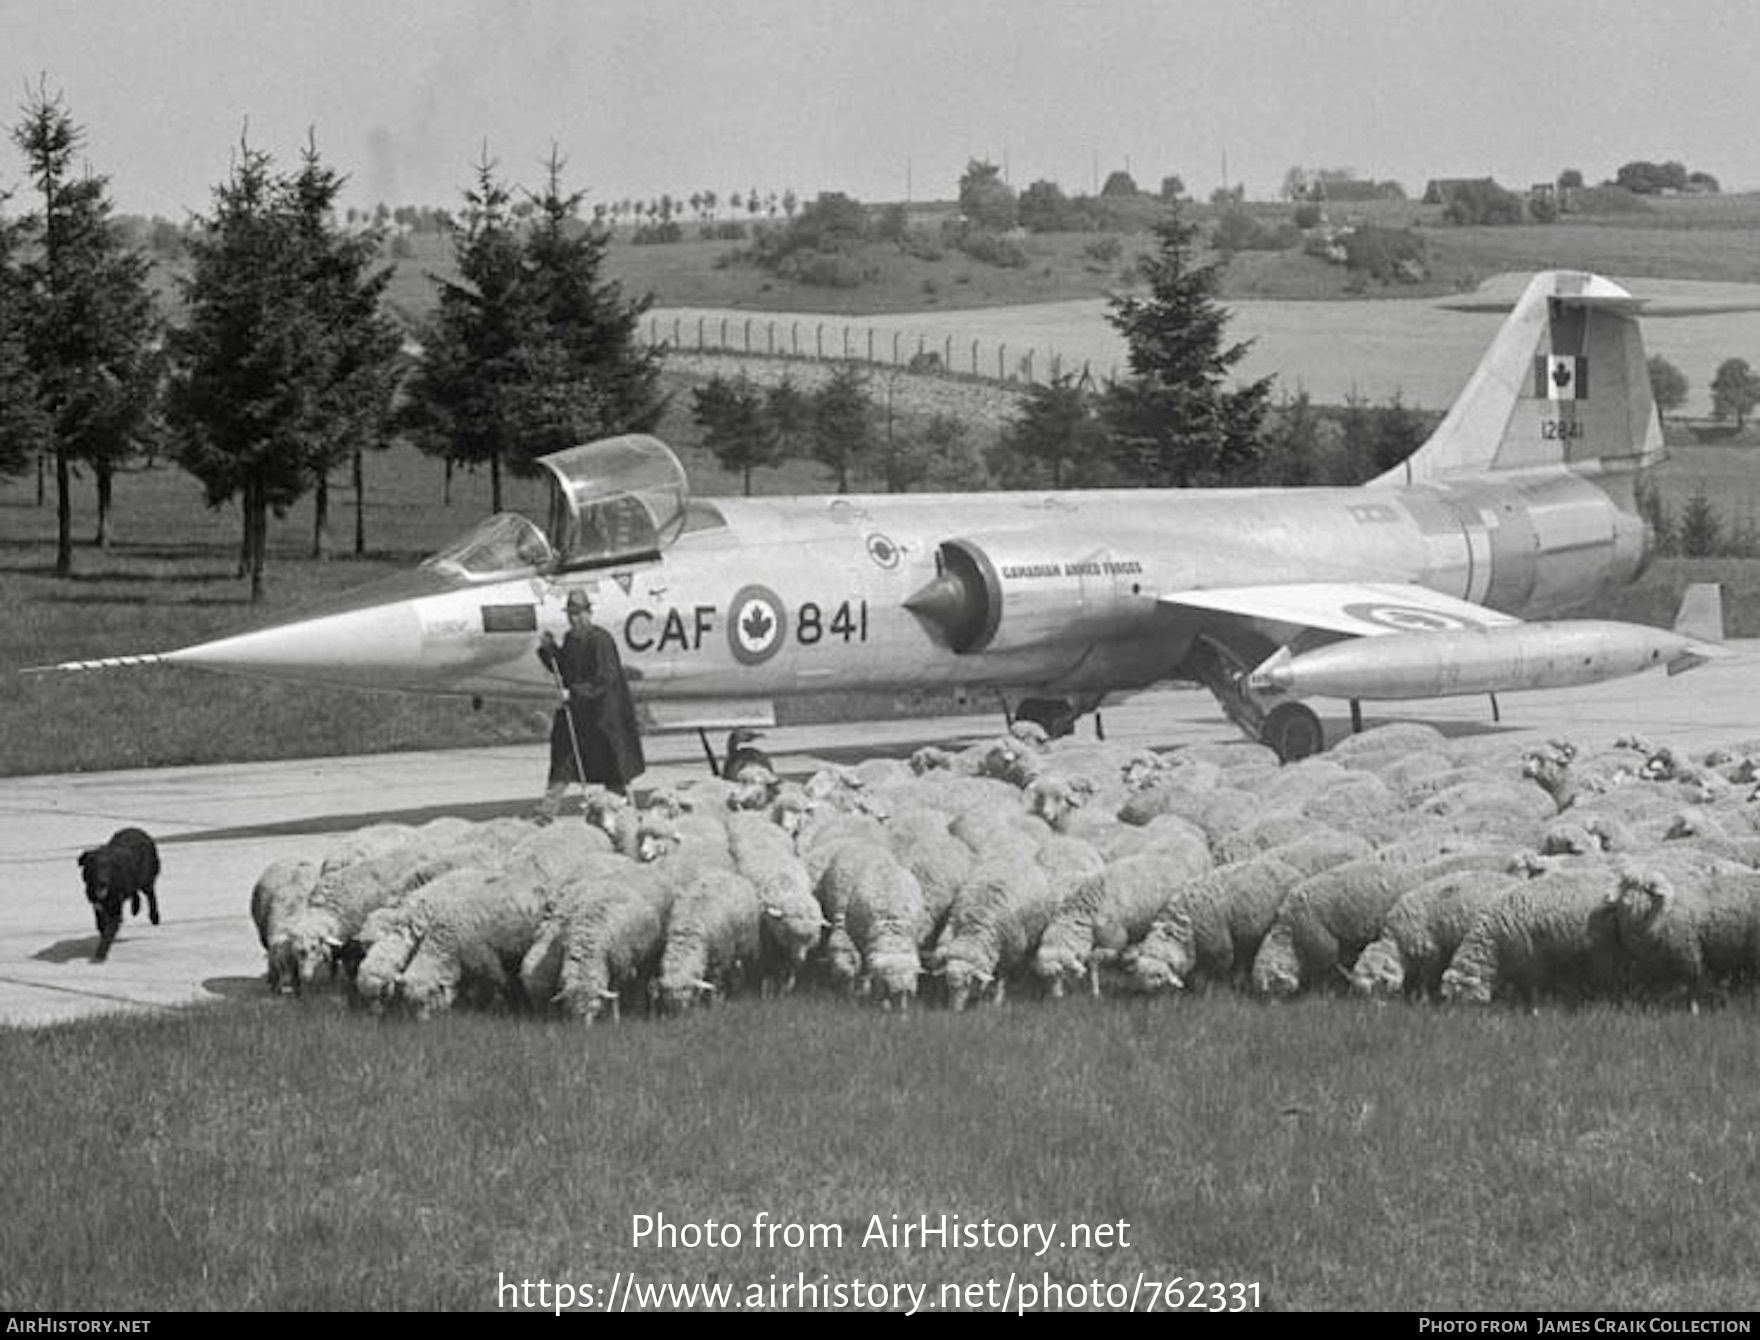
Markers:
point(281, 365)
point(1178, 420)
point(840, 425)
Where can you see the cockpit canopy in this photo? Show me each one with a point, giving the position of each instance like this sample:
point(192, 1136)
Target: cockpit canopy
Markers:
point(614, 501)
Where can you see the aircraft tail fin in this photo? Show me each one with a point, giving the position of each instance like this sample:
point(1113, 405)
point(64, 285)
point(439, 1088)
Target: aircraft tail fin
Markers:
point(1700, 618)
point(1564, 382)
point(1701, 612)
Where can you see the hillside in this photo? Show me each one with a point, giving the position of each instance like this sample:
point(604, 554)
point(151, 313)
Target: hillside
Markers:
point(1704, 238)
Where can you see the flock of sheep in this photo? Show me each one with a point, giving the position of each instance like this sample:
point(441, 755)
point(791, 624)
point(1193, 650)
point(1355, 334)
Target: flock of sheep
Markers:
point(1398, 863)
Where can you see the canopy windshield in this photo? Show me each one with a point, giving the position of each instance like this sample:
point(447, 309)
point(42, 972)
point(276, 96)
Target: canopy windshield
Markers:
point(505, 544)
point(615, 500)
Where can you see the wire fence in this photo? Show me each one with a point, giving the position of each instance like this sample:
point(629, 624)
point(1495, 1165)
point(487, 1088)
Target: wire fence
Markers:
point(817, 340)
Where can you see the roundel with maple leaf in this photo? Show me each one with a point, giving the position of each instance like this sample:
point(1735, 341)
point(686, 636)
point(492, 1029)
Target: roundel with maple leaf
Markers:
point(756, 625)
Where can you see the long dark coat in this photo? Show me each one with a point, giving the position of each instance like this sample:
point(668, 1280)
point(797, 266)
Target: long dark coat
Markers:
point(604, 714)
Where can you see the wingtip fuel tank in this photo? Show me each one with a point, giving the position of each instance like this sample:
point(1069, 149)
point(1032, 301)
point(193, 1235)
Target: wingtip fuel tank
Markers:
point(1503, 658)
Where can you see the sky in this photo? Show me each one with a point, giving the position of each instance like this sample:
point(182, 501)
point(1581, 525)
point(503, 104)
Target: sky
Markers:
point(882, 99)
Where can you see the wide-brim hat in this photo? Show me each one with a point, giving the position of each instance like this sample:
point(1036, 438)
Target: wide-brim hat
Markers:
point(579, 600)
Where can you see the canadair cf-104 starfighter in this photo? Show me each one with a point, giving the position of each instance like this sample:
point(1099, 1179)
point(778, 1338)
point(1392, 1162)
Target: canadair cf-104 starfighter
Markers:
point(1422, 583)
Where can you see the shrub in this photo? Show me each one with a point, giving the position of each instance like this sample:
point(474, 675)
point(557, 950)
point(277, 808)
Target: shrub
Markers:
point(657, 234)
point(994, 249)
point(1104, 249)
point(1386, 255)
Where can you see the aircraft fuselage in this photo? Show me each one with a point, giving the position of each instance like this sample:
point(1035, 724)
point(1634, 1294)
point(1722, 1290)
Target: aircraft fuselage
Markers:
point(1060, 594)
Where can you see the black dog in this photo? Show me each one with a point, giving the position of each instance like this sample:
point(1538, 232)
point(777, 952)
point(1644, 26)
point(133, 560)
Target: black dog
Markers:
point(122, 869)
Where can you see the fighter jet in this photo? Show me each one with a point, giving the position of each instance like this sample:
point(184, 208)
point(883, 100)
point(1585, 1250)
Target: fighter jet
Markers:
point(1520, 506)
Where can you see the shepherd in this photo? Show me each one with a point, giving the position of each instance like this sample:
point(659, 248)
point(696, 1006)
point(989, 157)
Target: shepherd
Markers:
point(594, 736)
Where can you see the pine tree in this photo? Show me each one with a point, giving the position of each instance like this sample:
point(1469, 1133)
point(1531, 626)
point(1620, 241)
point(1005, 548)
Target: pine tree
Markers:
point(281, 356)
point(529, 350)
point(88, 318)
point(24, 422)
point(1174, 423)
point(1055, 441)
point(736, 428)
point(596, 378)
point(843, 425)
point(360, 346)
point(471, 348)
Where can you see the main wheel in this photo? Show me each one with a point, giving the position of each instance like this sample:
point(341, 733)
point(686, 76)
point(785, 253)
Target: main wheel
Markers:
point(1292, 731)
point(1054, 714)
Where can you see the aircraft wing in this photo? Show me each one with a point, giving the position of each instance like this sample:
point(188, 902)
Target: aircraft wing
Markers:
point(1358, 609)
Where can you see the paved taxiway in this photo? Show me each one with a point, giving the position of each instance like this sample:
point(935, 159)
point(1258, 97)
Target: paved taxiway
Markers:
point(217, 827)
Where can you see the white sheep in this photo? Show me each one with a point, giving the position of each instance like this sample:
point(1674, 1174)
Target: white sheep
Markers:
point(473, 938)
point(996, 920)
point(1374, 749)
point(279, 894)
point(940, 863)
point(1273, 830)
point(364, 844)
point(1322, 850)
point(793, 922)
point(597, 875)
point(1702, 828)
point(1106, 913)
point(323, 934)
point(1555, 933)
point(613, 942)
point(887, 921)
point(1211, 928)
point(713, 940)
point(1329, 918)
point(396, 931)
point(1422, 931)
point(1696, 934)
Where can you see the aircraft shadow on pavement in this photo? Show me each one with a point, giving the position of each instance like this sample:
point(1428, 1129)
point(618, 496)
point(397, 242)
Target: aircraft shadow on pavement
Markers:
point(475, 812)
point(482, 811)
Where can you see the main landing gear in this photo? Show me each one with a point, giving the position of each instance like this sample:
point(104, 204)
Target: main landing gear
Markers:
point(1289, 729)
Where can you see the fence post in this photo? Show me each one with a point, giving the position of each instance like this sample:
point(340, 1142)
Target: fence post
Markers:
point(974, 358)
point(794, 338)
point(770, 337)
point(895, 348)
point(748, 334)
point(1001, 354)
point(677, 343)
point(846, 344)
point(946, 352)
point(723, 343)
point(700, 321)
point(819, 339)
point(1028, 365)
point(870, 344)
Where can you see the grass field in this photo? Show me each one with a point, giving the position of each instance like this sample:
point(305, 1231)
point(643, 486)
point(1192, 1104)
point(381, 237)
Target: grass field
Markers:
point(1334, 1155)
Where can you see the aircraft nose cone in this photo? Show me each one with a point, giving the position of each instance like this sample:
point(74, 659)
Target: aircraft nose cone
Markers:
point(943, 602)
point(375, 647)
